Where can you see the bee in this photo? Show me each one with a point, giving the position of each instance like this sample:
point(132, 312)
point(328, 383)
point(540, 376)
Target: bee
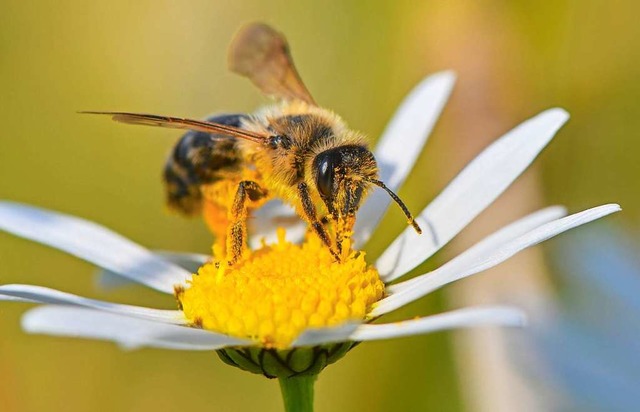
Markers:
point(294, 150)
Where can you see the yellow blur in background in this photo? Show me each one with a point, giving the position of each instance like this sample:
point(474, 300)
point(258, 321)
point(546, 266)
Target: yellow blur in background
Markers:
point(513, 59)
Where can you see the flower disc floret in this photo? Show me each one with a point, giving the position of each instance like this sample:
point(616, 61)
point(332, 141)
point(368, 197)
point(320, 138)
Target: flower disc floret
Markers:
point(280, 290)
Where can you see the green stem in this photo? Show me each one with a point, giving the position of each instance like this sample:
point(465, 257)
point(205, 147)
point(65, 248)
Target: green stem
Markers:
point(297, 393)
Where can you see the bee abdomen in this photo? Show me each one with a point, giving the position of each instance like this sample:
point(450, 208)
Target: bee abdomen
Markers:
point(200, 158)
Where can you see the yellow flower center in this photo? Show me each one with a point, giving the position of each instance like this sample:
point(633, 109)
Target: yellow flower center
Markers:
point(278, 291)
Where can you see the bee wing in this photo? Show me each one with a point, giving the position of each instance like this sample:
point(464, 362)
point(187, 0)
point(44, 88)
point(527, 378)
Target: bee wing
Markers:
point(181, 123)
point(261, 54)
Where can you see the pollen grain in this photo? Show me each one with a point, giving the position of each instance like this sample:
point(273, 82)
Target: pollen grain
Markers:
point(278, 291)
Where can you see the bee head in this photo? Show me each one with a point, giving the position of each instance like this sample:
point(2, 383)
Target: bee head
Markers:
point(342, 176)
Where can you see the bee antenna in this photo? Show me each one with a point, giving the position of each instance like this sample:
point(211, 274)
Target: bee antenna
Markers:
point(400, 203)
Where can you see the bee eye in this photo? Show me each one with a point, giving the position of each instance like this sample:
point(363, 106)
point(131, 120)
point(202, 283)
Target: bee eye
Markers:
point(325, 167)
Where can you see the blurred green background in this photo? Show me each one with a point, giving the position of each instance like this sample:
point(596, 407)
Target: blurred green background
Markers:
point(358, 58)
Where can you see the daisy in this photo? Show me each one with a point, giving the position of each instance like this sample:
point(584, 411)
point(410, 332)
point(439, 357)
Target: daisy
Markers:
point(288, 309)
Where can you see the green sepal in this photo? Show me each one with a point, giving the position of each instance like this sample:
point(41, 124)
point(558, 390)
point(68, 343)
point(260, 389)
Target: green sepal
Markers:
point(285, 363)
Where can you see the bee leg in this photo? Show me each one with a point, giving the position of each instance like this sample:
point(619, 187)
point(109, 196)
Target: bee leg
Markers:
point(325, 220)
point(310, 213)
point(237, 232)
point(341, 233)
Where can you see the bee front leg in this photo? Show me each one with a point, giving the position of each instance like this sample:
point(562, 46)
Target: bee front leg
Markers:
point(237, 232)
point(310, 213)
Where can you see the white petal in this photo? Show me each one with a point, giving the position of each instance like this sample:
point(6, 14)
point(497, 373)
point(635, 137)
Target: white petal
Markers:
point(319, 336)
point(474, 262)
point(91, 242)
point(106, 279)
point(128, 332)
point(401, 144)
point(191, 262)
point(492, 242)
point(462, 318)
point(487, 245)
point(39, 294)
point(477, 186)
point(274, 214)
point(14, 299)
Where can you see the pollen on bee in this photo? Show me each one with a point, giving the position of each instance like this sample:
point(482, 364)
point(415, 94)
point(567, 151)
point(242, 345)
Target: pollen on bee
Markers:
point(279, 290)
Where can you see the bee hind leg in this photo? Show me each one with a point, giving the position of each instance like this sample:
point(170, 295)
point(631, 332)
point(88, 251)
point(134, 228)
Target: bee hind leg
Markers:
point(312, 217)
point(237, 232)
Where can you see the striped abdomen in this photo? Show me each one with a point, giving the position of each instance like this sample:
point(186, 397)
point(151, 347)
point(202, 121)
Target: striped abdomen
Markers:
point(200, 158)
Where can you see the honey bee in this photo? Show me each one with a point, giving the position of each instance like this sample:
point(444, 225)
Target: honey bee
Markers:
point(294, 150)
